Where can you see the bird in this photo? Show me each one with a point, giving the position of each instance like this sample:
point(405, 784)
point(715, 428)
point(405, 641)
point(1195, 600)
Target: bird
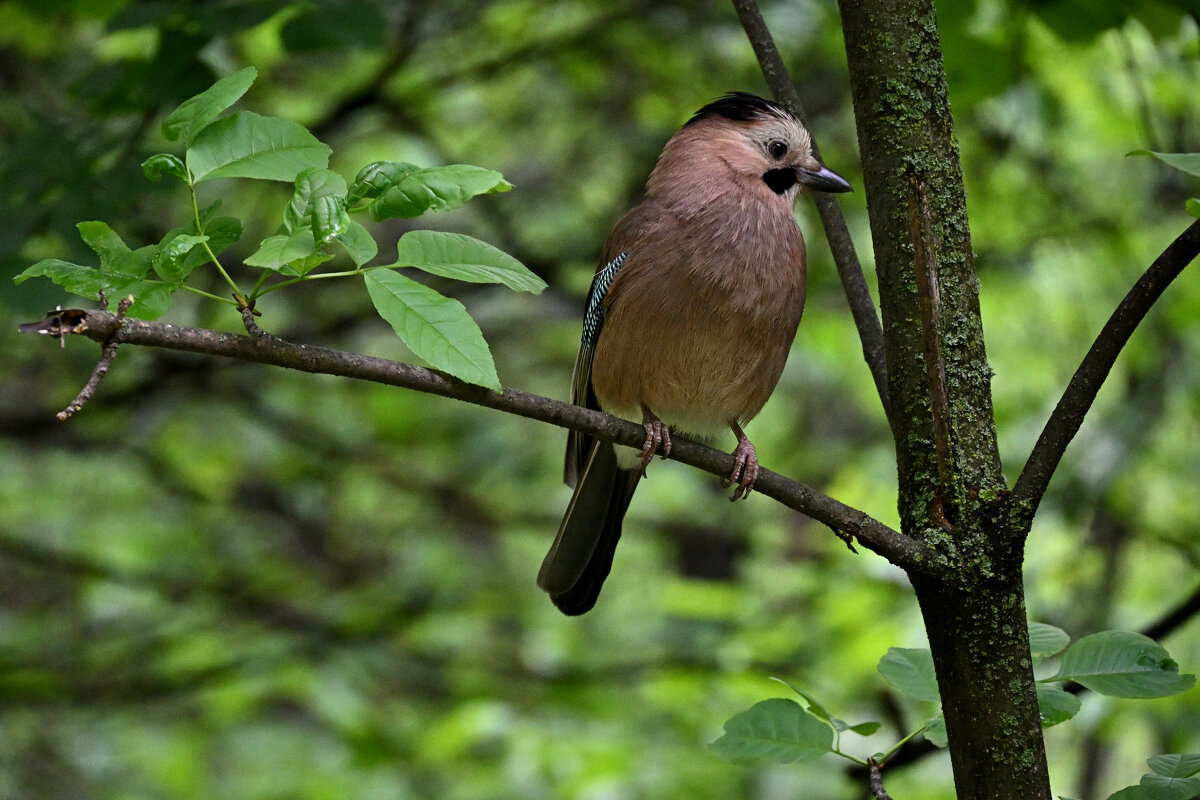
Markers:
point(690, 316)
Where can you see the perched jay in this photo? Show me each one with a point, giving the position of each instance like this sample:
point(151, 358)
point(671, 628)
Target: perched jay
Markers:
point(689, 319)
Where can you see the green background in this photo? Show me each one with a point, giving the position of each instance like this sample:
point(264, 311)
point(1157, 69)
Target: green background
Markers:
point(224, 580)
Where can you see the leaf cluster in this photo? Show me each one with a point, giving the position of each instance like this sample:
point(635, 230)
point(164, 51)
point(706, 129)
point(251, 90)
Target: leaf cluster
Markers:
point(318, 225)
point(1112, 663)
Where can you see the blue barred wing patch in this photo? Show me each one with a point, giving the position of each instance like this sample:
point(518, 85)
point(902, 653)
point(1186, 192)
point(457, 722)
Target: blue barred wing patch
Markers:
point(593, 317)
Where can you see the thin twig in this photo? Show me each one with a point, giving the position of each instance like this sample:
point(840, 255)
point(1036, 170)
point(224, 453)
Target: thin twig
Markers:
point(862, 306)
point(1081, 392)
point(1175, 618)
point(107, 353)
point(902, 551)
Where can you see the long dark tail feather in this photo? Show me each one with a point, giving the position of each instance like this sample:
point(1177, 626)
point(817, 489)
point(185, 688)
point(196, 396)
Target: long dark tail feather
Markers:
point(581, 556)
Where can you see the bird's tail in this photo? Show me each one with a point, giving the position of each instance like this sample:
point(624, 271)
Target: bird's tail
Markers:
point(581, 556)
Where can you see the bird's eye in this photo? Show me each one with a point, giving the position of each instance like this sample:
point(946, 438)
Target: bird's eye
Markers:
point(777, 149)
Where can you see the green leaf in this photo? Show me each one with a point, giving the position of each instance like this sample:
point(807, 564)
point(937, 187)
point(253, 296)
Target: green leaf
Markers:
point(1122, 664)
point(436, 328)
point(115, 256)
point(819, 711)
point(75, 278)
point(1193, 206)
point(151, 299)
point(774, 731)
point(1187, 162)
point(1046, 640)
point(436, 189)
point(911, 671)
point(195, 113)
point(319, 196)
point(156, 166)
point(1055, 705)
point(294, 253)
point(247, 145)
point(222, 232)
point(377, 177)
point(1168, 788)
point(1175, 765)
point(1134, 793)
point(935, 731)
point(453, 255)
point(169, 258)
point(358, 243)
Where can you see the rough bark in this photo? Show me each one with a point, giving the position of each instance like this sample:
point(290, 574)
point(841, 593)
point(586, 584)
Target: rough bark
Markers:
point(951, 484)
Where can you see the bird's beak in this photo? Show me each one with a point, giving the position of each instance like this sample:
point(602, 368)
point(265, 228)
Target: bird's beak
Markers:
point(823, 180)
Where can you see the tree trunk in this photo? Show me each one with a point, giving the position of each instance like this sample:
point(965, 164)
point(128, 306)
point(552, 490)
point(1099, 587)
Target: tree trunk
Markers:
point(952, 488)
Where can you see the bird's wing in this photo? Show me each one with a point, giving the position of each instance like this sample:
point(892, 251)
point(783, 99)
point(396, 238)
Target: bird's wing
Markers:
point(582, 394)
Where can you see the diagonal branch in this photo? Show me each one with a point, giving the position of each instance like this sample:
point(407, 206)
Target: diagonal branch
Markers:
point(267, 349)
point(862, 307)
point(1081, 392)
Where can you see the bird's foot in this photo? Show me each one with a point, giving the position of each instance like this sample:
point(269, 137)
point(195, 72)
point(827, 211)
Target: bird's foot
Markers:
point(658, 436)
point(745, 467)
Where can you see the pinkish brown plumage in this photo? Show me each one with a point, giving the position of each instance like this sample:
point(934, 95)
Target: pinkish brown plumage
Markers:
point(691, 316)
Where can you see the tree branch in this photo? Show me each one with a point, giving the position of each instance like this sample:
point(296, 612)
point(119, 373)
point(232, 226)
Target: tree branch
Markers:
point(1081, 392)
point(862, 307)
point(267, 349)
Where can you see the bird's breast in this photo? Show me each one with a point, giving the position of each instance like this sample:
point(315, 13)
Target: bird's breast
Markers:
point(698, 326)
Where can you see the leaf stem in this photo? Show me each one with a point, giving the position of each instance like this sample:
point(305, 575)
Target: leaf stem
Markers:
point(314, 276)
point(237, 293)
point(209, 295)
point(883, 759)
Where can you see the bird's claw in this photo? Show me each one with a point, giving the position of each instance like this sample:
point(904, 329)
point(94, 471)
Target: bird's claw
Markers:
point(745, 470)
point(658, 436)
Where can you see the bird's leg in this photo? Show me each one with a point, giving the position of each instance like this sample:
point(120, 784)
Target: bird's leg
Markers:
point(745, 466)
point(658, 434)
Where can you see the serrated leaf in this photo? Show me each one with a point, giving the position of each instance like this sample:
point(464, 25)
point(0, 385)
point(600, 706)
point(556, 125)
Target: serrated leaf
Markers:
point(1046, 640)
point(436, 189)
point(463, 258)
point(864, 728)
point(435, 327)
point(195, 113)
point(1187, 162)
point(161, 164)
point(377, 177)
point(774, 731)
point(358, 244)
point(248, 145)
point(911, 671)
point(1175, 765)
point(1055, 705)
point(170, 257)
point(1123, 664)
point(935, 731)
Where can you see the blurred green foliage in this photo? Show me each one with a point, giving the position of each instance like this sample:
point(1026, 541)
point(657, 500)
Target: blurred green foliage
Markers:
point(220, 580)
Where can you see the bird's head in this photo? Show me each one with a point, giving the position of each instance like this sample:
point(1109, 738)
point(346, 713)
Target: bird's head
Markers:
point(750, 139)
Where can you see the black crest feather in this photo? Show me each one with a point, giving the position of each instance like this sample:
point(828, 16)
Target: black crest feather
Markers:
point(740, 106)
